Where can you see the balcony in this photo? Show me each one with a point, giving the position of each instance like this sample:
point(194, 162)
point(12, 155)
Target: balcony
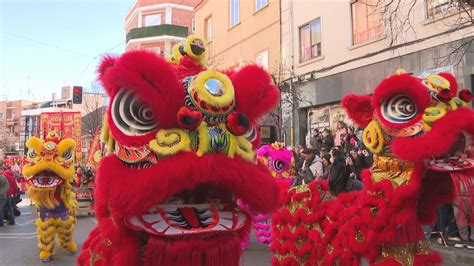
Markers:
point(158, 30)
point(12, 120)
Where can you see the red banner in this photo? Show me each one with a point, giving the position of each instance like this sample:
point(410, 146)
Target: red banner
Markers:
point(67, 125)
point(94, 153)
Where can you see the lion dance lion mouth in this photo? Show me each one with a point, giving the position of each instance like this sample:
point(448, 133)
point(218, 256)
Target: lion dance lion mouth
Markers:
point(181, 142)
point(194, 211)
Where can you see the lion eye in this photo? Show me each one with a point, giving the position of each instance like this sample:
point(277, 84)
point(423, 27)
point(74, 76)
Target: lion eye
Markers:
point(279, 165)
point(31, 154)
point(251, 134)
point(67, 155)
point(399, 109)
point(132, 117)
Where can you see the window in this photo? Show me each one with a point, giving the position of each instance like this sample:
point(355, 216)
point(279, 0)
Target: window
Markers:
point(208, 29)
point(436, 7)
point(262, 59)
point(310, 40)
point(168, 12)
point(1, 115)
point(156, 49)
point(193, 25)
point(259, 4)
point(152, 20)
point(234, 12)
point(366, 21)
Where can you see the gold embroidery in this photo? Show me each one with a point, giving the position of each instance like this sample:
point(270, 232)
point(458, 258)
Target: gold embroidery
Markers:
point(329, 248)
point(94, 257)
point(359, 237)
point(405, 254)
point(387, 168)
point(318, 228)
point(107, 243)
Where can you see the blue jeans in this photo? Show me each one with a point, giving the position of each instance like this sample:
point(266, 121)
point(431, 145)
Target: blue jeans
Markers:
point(6, 205)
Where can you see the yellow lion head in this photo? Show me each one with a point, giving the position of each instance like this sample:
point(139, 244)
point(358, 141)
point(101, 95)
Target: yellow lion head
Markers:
point(50, 166)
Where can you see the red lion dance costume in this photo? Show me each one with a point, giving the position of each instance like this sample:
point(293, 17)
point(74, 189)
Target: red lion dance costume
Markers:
point(417, 130)
point(181, 143)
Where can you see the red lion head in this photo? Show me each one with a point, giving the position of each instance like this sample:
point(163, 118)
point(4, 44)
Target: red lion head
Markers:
point(182, 142)
point(424, 122)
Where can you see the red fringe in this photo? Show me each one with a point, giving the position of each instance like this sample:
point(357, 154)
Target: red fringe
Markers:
point(219, 251)
point(463, 186)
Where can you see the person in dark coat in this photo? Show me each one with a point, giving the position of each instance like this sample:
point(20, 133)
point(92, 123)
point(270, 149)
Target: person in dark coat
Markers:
point(338, 173)
point(316, 143)
point(4, 186)
point(327, 142)
point(12, 191)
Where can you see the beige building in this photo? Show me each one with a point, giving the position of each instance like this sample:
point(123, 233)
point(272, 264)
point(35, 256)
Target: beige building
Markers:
point(331, 48)
point(240, 32)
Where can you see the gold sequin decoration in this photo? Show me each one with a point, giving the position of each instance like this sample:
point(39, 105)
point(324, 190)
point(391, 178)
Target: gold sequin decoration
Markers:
point(107, 243)
point(329, 248)
point(387, 168)
point(94, 257)
point(359, 237)
point(301, 261)
point(405, 254)
point(318, 228)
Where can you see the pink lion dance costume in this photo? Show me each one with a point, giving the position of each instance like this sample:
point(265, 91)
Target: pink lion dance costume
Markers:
point(417, 130)
point(280, 162)
point(181, 142)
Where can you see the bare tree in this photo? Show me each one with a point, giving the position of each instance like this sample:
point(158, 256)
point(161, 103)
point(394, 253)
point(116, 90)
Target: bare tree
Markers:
point(7, 140)
point(291, 98)
point(214, 61)
point(399, 18)
point(93, 106)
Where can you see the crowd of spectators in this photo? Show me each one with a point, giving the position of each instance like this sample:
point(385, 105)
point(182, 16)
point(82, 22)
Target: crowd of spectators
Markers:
point(337, 159)
point(9, 196)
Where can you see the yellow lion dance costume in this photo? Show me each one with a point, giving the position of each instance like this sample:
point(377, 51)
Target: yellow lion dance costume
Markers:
point(49, 171)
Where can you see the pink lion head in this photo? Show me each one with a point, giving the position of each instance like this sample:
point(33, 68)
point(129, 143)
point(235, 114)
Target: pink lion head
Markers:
point(278, 159)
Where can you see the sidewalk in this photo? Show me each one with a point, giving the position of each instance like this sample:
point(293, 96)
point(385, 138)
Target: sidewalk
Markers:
point(450, 254)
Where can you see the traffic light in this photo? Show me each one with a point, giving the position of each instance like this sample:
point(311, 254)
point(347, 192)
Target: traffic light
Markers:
point(77, 95)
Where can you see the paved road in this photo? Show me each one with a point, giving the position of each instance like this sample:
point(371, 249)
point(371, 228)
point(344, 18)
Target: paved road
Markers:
point(18, 243)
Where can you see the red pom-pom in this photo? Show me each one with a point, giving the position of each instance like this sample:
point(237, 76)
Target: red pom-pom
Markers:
point(188, 118)
point(465, 95)
point(237, 123)
point(444, 95)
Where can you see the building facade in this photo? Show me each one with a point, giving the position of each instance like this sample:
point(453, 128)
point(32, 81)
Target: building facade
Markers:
point(157, 25)
point(332, 48)
point(241, 32)
point(10, 125)
point(91, 109)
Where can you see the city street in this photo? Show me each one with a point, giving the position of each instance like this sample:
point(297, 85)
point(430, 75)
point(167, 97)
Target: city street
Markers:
point(18, 243)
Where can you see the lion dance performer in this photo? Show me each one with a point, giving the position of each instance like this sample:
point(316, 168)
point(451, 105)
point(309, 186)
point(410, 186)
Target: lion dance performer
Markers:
point(181, 142)
point(280, 162)
point(418, 131)
point(49, 171)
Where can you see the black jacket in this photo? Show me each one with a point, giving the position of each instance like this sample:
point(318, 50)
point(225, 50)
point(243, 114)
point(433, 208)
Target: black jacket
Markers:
point(338, 176)
point(327, 142)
